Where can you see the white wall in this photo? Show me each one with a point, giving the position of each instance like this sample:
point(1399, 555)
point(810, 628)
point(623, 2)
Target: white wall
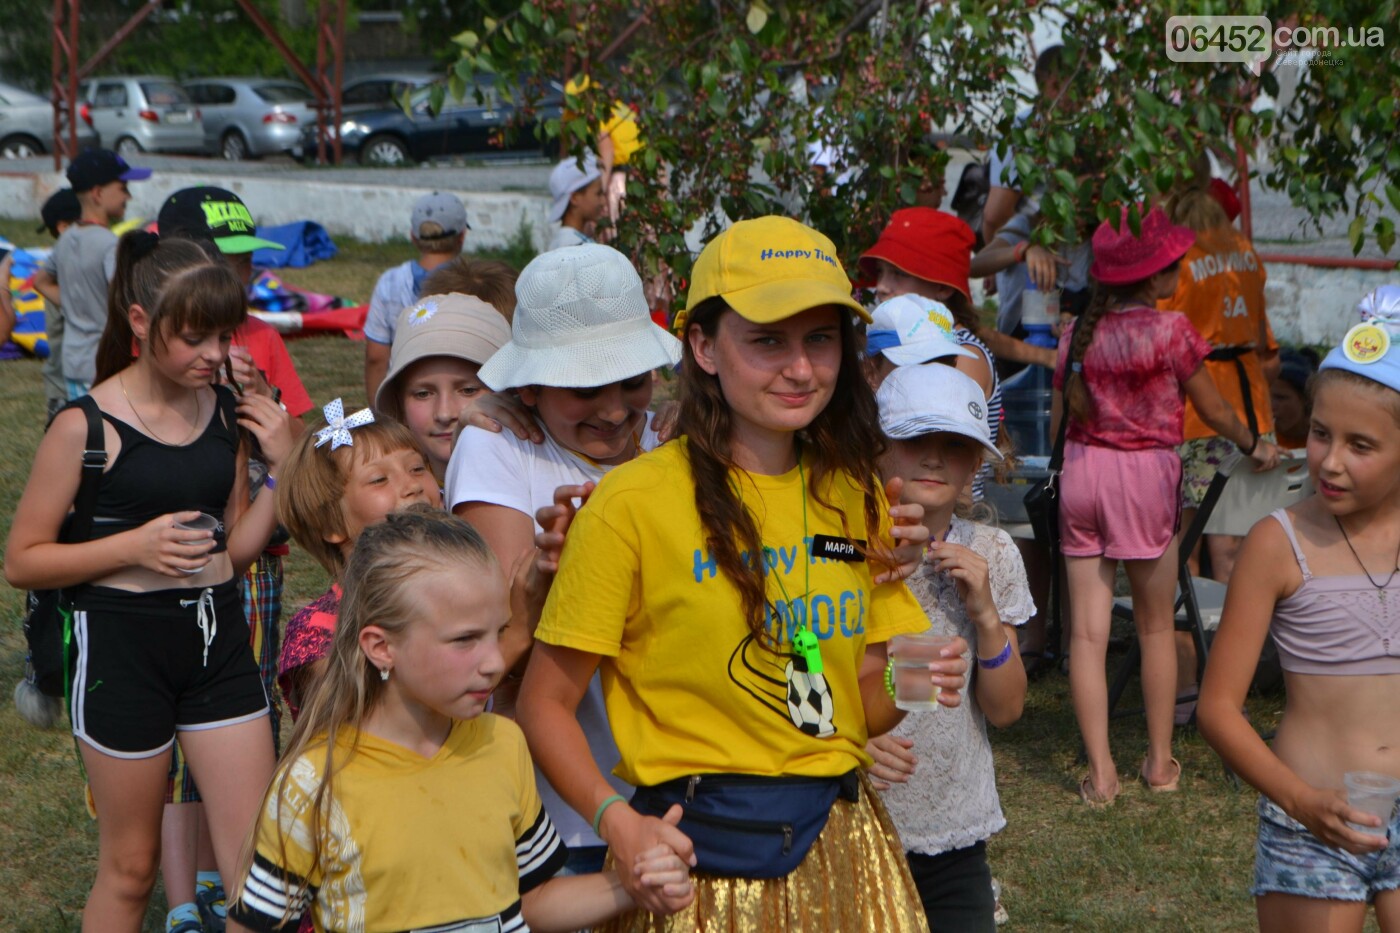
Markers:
point(373, 213)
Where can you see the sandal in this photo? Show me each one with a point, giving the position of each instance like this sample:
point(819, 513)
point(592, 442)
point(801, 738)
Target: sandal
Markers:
point(1093, 798)
point(1170, 787)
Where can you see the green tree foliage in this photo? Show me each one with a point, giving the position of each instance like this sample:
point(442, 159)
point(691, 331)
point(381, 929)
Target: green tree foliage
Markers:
point(731, 93)
point(183, 39)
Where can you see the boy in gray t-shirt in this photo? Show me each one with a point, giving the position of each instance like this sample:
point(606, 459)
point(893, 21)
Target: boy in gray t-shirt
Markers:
point(75, 275)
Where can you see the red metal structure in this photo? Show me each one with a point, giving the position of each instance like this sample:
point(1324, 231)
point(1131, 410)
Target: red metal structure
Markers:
point(324, 82)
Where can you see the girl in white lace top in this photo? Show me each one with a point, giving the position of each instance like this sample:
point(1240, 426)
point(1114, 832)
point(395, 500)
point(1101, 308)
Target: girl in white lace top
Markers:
point(935, 769)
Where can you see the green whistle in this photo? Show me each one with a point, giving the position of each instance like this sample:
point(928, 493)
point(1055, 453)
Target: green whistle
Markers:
point(806, 644)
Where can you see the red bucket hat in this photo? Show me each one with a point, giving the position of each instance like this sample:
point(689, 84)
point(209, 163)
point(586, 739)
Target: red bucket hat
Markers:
point(1121, 258)
point(926, 243)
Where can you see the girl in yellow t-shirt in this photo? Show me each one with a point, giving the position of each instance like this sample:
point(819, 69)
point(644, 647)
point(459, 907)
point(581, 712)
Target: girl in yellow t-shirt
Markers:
point(401, 804)
point(722, 586)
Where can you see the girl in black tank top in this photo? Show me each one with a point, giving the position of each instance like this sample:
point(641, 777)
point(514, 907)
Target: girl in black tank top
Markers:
point(160, 641)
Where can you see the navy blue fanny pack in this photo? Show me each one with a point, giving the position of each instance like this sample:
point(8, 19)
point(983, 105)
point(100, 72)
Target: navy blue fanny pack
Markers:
point(749, 825)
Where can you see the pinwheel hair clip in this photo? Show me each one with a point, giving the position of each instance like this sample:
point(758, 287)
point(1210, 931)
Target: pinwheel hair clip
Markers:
point(338, 426)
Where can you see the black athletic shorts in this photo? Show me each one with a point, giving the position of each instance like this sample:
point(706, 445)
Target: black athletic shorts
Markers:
point(151, 664)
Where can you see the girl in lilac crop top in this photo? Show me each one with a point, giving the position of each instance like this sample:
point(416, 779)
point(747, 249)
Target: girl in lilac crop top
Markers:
point(1336, 625)
point(1319, 851)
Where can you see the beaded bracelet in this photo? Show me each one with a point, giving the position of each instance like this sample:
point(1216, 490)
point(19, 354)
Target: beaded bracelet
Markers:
point(1002, 657)
point(889, 677)
point(602, 807)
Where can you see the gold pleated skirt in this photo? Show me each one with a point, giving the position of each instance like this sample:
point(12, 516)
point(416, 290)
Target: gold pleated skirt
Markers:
point(854, 880)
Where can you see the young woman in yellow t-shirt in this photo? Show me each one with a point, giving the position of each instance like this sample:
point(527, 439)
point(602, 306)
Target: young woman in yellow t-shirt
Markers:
point(745, 688)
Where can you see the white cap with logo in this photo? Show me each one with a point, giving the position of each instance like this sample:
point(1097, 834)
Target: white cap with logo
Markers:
point(934, 398)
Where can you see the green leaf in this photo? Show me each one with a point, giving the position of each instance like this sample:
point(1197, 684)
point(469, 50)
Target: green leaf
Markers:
point(1356, 233)
point(467, 39)
point(1385, 234)
point(530, 13)
point(456, 87)
point(1392, 192)
point(436, 97)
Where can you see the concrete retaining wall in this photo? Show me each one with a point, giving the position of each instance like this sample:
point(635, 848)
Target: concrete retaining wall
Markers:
point(1306, 304)
point(373, 213)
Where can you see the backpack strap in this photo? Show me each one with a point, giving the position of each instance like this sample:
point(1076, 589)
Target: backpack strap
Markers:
point(94, 462)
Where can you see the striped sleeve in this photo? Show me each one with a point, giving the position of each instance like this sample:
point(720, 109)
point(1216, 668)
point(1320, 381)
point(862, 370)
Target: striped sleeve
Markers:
point(540, 853)
point(267, 893)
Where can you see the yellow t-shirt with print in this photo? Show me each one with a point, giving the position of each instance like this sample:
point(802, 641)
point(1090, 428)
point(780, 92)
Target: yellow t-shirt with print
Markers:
point(407, 842)
point(687, 688)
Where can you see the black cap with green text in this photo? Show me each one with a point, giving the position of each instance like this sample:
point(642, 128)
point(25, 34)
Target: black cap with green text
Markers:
point(215, 215)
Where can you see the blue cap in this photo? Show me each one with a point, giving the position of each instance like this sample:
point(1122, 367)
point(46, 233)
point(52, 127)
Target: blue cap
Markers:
point(1369, 349)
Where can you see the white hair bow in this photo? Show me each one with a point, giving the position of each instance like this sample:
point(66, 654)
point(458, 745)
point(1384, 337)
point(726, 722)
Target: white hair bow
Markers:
point(337, 429)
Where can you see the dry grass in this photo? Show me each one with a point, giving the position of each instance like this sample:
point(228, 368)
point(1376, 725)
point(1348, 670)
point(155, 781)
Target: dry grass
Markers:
point(1180, 862)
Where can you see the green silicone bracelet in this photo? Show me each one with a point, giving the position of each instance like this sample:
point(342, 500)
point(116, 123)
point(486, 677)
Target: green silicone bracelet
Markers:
point(602, 807)
point(889, 677)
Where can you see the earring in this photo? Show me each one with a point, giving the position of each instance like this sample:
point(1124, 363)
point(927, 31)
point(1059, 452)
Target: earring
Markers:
point(384, 673)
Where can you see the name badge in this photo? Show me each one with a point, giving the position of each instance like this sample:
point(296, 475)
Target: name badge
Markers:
point(833, 548)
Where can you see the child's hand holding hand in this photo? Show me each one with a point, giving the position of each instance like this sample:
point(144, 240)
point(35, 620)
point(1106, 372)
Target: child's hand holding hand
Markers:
point(909, 532)
point(1324, 811)
point(894, 760)
point(661, 869)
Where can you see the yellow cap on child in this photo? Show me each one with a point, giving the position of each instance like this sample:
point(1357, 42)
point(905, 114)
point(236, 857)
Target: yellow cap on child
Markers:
point(769, 269)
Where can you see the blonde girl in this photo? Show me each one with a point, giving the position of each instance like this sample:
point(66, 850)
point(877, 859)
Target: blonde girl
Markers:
point(331, 490)
point(401, 804)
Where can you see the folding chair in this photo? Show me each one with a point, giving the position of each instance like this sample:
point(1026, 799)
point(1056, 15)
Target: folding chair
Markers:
point(1237, 498)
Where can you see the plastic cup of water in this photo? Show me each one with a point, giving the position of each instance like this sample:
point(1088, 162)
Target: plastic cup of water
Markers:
point(203, 522)
point(1372, 793)
point(913, 690)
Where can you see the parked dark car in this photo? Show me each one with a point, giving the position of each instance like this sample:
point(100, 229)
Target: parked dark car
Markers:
point(389, 136)
point(380, 91)
point(26, 125)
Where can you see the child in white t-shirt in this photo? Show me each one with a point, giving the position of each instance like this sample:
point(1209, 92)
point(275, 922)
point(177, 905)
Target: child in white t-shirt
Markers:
point(581, 359)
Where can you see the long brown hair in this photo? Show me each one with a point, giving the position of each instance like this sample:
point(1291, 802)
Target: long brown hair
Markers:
point(179, 285)
point(844, 440)
point(379, 586)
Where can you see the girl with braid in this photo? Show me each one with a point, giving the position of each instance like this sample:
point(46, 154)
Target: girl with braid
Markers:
point(736, 588)
point(1123, 375)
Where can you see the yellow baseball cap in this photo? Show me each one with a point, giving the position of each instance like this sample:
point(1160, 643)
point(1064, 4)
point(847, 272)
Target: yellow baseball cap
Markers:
point(769, 269)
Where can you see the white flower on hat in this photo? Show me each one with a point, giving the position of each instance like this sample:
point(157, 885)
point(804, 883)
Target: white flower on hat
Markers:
point(422, 311)
point(338, 426)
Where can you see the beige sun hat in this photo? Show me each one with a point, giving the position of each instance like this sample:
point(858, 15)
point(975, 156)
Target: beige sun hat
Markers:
point(454, 325)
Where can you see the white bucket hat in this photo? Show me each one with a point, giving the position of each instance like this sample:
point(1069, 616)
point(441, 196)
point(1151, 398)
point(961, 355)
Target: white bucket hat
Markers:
point(912, 329)
point(566, 178)
point(581, 321)
point(916, 400)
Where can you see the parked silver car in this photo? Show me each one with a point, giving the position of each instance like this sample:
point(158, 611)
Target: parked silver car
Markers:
point(143, 113)
point(245, 118)
point(26, 125)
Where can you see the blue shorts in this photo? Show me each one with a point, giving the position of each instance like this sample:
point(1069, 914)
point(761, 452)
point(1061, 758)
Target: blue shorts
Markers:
point(1290, 860)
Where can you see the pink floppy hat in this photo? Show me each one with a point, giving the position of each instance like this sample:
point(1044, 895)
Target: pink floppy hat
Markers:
point(1121, 258)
